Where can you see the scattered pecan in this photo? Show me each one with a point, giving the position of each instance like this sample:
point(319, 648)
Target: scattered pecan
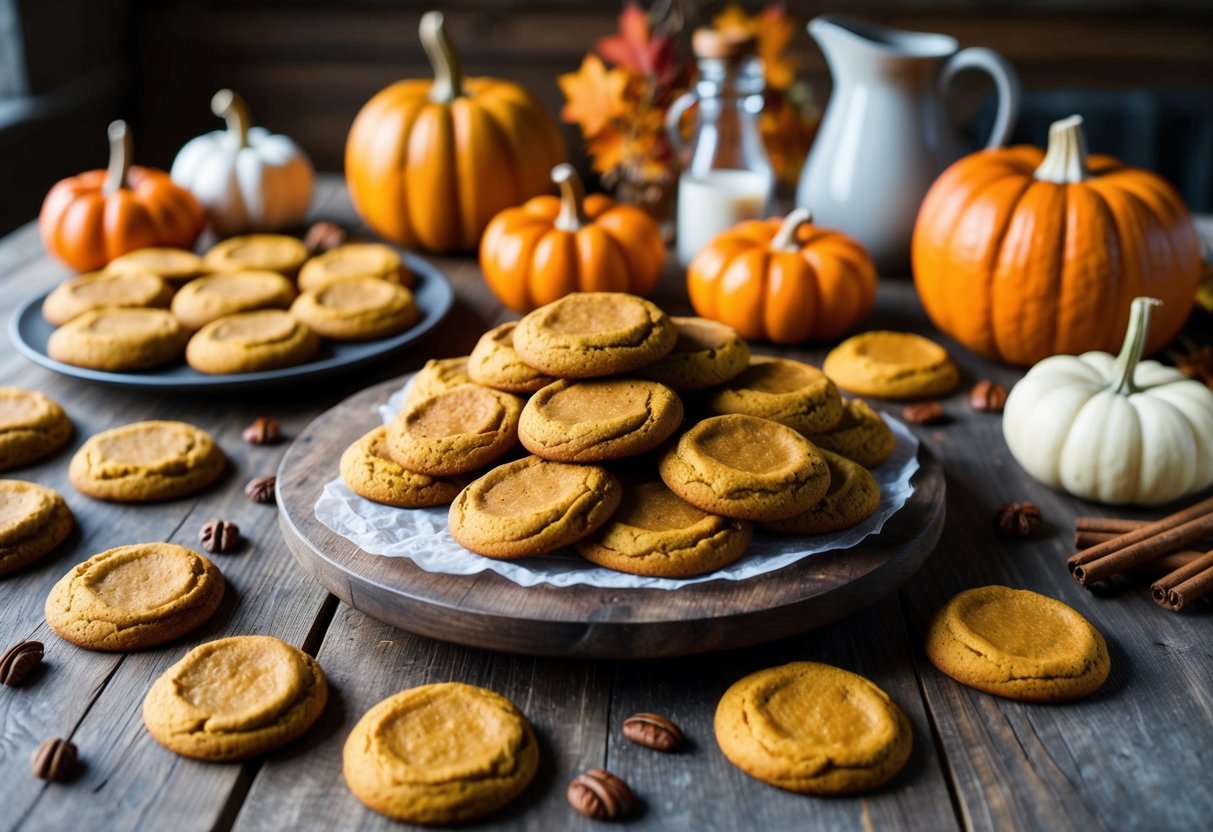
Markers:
point(324, 236)
point(261, 489)
point(653, 731)
point(263, 431)
point(55, 760)
point(19, 663)
point(601, 795)
point(1197, 363)
point(923, 413)
point(1017, 519)
point(988, 397)
point(219, 536)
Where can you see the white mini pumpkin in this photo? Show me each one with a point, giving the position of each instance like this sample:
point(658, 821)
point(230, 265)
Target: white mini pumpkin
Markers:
point(247, 178)
point(1113, 429)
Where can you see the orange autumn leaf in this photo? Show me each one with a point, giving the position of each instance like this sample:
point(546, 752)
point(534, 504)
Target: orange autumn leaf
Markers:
point(594, 95)
point(775, 30)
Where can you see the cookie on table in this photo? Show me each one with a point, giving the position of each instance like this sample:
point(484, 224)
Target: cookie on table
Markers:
point(218, 295)
point(235, 698)
point(589, 334)
point(104, 290)
point(145, 461)
point(595, 420)
point(132, 597)
point(456, 431)
point(440, 754)
point(657, 534)
point(249, 342)
point(747, 468)
point(33, 521)
point(814, 729)
point(785, 391)
point(354, 260)
point(257, 252)
point(861, 435)
point(1017, 644)
point(31, 427)
point(706, 354)
point(852, 498)
point(357, 309)
point(119, 340)
point(495, 363)
point(175, 265)
point(892, 365)
point(437, 376)
point(369, 471)
point(532, 506)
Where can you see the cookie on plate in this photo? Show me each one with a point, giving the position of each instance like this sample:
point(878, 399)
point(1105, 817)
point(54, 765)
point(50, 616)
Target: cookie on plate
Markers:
point(119, 340)
point(104, 290)
point(175, 265)
point(598, 419)
point(785, 391)
point(33, 521)
point(235, 698)
point(532, 506)
point(31, 427)
point(853, 497)
point(369, 471)
point(357, 309)
point(1018, 644)
point(747, 468)
point(257, 252)
point(354, 260)
point(454, 432)
point(706, 354)
point(861, 435)
point(437, 376)
point(144, 461)
point(440, 754)
point(892, 365)
point(218, 295)
point(133, 597)
point(250, 342)
point(589, 334)
point(495, 363)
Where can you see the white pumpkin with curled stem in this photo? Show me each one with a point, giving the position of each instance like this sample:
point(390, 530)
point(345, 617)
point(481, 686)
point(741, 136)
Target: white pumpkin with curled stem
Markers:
point(247, 178)
point(1114, 429)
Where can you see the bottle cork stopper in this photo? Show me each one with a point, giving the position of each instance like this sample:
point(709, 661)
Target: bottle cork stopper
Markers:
point(711, 43)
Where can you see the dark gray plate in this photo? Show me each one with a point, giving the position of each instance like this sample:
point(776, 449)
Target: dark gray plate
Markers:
point(29, 332)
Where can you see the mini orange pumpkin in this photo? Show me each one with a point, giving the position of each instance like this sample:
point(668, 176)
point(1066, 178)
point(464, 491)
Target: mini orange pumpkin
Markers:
point(88, 220)
point(785, 281)
point(550, 247)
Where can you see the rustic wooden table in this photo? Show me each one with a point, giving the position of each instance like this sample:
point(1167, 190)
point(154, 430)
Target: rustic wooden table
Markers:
point(1136, 755)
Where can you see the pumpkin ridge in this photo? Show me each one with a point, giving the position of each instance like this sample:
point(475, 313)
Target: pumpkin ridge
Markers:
point(989, 271)
point(1134, 282)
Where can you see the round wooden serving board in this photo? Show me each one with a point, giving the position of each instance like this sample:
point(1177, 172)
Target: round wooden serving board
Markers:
point(487, 610)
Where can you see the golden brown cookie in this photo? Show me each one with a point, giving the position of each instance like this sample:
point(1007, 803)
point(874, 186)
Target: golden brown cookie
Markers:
point(861, 435)
point(31, 427)
point(437, 376)
point(33, 521)
point(589, 334)
point(440, 754)
point(235, 698)
point(369, 471)
point(357, 309)
point(706, 354)
point(257, 252)
point(119, 340)
point(853, 497)
point(814, 729)
point(746, 467)
point(354, 260)
point(249, 342)
point(532, 506)
point(218, 295)
point(104, 290)
point(175, 265)
point(495, 363)
point(598, 419)
point(133, 597)
point(785, 391)
point(892, 365)
point(146, 461)
point(454, 432)
point(1017, 644)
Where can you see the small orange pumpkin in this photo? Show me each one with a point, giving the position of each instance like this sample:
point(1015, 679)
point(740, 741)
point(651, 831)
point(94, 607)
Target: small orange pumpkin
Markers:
point(550, 247)
point(88, 220)
point(786, 281)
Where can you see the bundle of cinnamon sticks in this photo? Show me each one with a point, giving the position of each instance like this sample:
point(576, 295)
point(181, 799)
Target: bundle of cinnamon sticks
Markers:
point(1170, 548)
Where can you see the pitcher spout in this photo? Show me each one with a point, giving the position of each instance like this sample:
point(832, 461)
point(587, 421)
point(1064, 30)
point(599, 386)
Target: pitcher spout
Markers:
point(836, 33)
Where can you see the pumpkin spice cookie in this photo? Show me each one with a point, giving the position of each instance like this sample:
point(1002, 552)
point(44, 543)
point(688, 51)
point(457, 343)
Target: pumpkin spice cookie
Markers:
point(589, 334)
point(745, 467)
point(706, 354)
point(134, 597)
point(495, 363)
point(814, 729)
point(853, 497)
point(1017, 644)
point(656, 533)
point(785, 391)
point(440, 754)
point(210, 298)
point(31, 427)
point(104, 290)
point(249, 342)
point(357, 309)
point(354, 260)
point(33, 521)
point(369, 471)
point(532, 506)
point(119, 340)
point(175, 265)
point(257, 252)
point(437, 376)
point(146, 461)
point(598, 419)
point(235, 698)
point(460, 430)
point(892, 365)
point(861, 435)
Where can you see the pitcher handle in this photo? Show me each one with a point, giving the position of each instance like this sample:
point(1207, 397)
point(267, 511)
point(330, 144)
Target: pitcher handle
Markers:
point(673, 122)
point(1005, 81)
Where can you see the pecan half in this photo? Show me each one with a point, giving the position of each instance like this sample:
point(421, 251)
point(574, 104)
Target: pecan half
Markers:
point(263, 431)
point(324, 236)
point(988, 396)
point(601, 795)
point(653, 731)
point(261, 489)
point(19, 663)
point(219, 536)
point(55, 760)
point(923, 413)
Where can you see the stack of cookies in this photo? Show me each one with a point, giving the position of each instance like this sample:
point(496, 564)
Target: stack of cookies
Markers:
point(655, 443)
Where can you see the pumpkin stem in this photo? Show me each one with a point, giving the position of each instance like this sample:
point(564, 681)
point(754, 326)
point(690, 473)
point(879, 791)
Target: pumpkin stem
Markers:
point(448, 71)
point(231, 108)
point(1066, 156)
point(122, 146)
point(785, 239)
point(1134, 345)
point(572, 216)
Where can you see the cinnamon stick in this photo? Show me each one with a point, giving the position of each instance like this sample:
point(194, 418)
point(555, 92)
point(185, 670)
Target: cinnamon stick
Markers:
point(1169, 563)
point(1138, 547)
point(1186, 583)
point(1180, 519)
point(1085, 540)
point(1107, 525)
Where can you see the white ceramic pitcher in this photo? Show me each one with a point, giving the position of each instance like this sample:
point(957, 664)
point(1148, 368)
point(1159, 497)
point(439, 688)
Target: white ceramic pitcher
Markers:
point(885, 135)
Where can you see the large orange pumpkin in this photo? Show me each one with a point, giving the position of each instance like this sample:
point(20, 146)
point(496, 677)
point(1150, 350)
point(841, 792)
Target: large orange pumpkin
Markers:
point(429, 163)
point(88, 220)
point(786, 281)
point(1021, 253)
point(549, 247)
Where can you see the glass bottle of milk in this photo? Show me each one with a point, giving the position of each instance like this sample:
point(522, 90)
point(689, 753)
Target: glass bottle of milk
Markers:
point(727, 174)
